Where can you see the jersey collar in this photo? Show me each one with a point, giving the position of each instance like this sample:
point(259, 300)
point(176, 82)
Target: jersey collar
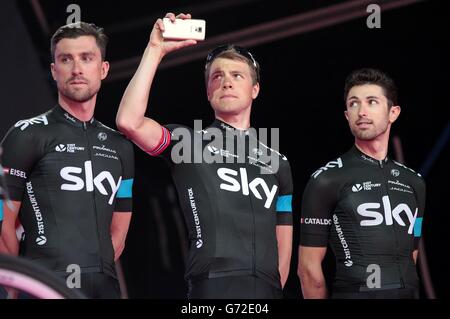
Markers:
point(368, 159)
point(65, 116)
point(224, 127)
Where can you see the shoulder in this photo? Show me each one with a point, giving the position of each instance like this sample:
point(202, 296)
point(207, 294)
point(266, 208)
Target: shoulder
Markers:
point(174, 127)
point(329, 170)
point(414, 177)
point(28, 128)
point(119, 139)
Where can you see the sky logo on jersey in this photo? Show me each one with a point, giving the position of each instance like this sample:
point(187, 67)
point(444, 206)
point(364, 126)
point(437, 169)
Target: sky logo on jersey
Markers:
point(370, 210)
point(69, 174)
point(337, 163)
point(226, 174)
point(23, 124)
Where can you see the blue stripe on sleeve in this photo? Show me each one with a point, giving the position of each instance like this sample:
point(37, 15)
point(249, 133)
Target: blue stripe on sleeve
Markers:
point(284, 203)
point(418, 227)
point(1, 210)
point(125, 189)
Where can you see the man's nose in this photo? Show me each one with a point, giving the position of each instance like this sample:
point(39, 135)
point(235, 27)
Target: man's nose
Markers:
point(362, 111)
point(76, 68)
point(227, 83)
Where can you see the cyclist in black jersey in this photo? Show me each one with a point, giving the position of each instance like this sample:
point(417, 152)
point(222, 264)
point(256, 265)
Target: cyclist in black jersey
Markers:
point(237, 208)
point(69, 176)
point(366, 206)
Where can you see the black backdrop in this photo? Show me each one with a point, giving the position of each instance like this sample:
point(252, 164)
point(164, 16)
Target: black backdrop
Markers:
point(301, 93)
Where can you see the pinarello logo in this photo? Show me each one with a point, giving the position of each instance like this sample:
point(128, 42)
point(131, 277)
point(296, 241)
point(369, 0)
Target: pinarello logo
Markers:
point(5, 170)
point(199, 243)
point(395, 172)
point(348, 263)
point(356, 188)
point(102, 136)
point(41, 240)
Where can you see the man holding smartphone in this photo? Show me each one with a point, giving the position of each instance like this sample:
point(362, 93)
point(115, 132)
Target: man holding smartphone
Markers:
point(239, 219)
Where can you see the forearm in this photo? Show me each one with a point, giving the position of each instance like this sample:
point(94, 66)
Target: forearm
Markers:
point(9, 244)
point(284, 266)
point(284, 238)
point(133, 105)
point(118, 241)
point(119, 229)
point(414, 255)
point(313, 284)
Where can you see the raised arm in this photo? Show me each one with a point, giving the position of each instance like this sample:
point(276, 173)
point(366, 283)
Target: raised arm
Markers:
point(131, 120)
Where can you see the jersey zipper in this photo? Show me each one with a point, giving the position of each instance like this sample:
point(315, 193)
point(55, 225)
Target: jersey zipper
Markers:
point(248, 168)
point(85, 128)
point(253, 237)
point(394, 233)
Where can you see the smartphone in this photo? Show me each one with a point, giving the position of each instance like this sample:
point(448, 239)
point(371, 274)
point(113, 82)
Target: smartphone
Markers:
point(184, 29)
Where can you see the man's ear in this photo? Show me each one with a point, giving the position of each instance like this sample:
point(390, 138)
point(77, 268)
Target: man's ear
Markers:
point(52, 69)
point(255, 91)
point(394, 113)
point(105, 69)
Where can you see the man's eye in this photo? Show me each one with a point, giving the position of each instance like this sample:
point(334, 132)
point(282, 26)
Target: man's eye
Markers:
point(373, 102)
point(353, 104)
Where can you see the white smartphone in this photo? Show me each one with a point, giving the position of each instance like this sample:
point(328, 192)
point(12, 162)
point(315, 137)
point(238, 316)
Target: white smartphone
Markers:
point(184, 29)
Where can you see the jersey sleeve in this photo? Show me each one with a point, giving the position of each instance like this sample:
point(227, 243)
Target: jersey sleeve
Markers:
point(420, 192)
point(21, 151)
point(124, 196)
point(177, 146)
point(284, 200)
point(318, 203)
point(164, 142)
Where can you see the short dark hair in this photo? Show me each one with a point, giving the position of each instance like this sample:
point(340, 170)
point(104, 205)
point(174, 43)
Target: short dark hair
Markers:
point(233, 52)
point(372, 76)
point(78, 29)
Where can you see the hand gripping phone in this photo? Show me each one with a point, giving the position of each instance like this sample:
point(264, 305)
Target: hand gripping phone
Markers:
point(184, 29)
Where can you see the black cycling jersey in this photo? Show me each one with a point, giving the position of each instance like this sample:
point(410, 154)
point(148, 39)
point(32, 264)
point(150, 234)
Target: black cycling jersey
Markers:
point(371, 213)
point(70, 177)
point(231, 208)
